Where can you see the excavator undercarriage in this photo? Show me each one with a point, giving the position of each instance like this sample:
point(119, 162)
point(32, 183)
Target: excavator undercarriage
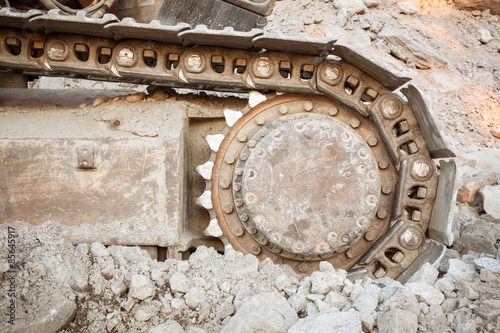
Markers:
point(326, 158)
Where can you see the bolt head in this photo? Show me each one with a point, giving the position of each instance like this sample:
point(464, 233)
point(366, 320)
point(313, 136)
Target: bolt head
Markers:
point(421, 169)
point(256, 250)
point(194, 63)
point(239, 231)
point(228, 209)
point(126, 57)
point(303, 268)
point(263, 68)
point(382, 214)
point(330, 74)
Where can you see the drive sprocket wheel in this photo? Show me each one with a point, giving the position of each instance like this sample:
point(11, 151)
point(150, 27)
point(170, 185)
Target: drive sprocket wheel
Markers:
point(301, 179)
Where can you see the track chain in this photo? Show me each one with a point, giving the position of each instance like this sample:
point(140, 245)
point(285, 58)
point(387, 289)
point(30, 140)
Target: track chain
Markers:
point(107, 49)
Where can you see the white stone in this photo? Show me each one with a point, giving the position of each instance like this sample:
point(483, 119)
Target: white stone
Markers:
point(213, 229)
point(205, 200)
point(397, 321)
point(117, 286)
point(367, 301)
point(426, 293)
point(144, 312)
point(205, 170)
point(177, 304)
point(324, 282)
point(231, 116)
point(329, 321)
point(284, 281)
point(141, 287)
point(214, 141)
point(170, 326)
point(445, 284)
point(426, 274)
point(98, 250)
point(256, 98)
point(407, 8)
point(367, 321)
point(399, 298)
point(337, 300)
point(357, 289)
point(351, 6)
point(488, 263)
point(491, 200)
point(459, 270)
point(484, 36)
point(371, 3)
point(179, 283)
point(194, 297)
point(265, 312)
point(342, 17)
point(411, 50)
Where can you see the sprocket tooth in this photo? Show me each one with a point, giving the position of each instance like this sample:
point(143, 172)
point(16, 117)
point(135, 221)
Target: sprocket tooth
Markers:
point(256, 98)
point(232, 116)
point(213, 229)
point(205, 170)
point(214, 141)
point(205, 200)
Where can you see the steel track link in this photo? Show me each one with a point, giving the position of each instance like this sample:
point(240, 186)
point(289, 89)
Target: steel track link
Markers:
point(400, 132)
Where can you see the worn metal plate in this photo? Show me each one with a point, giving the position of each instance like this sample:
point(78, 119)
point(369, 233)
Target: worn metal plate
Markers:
point(443, 209)
point(227, 37)
point(301, 44)
point(430, 132)
point(310, 184)
point(262, 7)
point(379, 70)
point(40, 181)
point(82, 24)
point(11, 18)
point(215, 14)
point(128, 28)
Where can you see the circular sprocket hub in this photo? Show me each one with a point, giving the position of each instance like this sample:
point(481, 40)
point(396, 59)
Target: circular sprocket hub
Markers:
point(309, 185)
point(300, 179)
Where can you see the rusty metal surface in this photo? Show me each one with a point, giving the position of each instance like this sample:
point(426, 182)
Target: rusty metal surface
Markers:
point(310, 184)
point(128, 28)
point(357, 101)
point(55, 21)
point(378, 70)
point(301, 44)
point(262, 7)
point(296, 177)
point(12, 18)
point(442, 212)
point(226, 37)
point(422, 112)
point(41, 180)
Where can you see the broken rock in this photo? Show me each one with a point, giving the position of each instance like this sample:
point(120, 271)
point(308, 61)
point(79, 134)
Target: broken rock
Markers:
point(426, 274)
point(352, 7)
point(490, 264)
point(484, 36)
point(459, 270)
point(169, 326)
point(397, 321)
point(265, 312)
point(329, 321)
point(141, 287)
point(491, 200)
point(426, 293)
point(411, 50)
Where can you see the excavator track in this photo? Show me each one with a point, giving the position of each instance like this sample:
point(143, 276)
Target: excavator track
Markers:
point(331, 164)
